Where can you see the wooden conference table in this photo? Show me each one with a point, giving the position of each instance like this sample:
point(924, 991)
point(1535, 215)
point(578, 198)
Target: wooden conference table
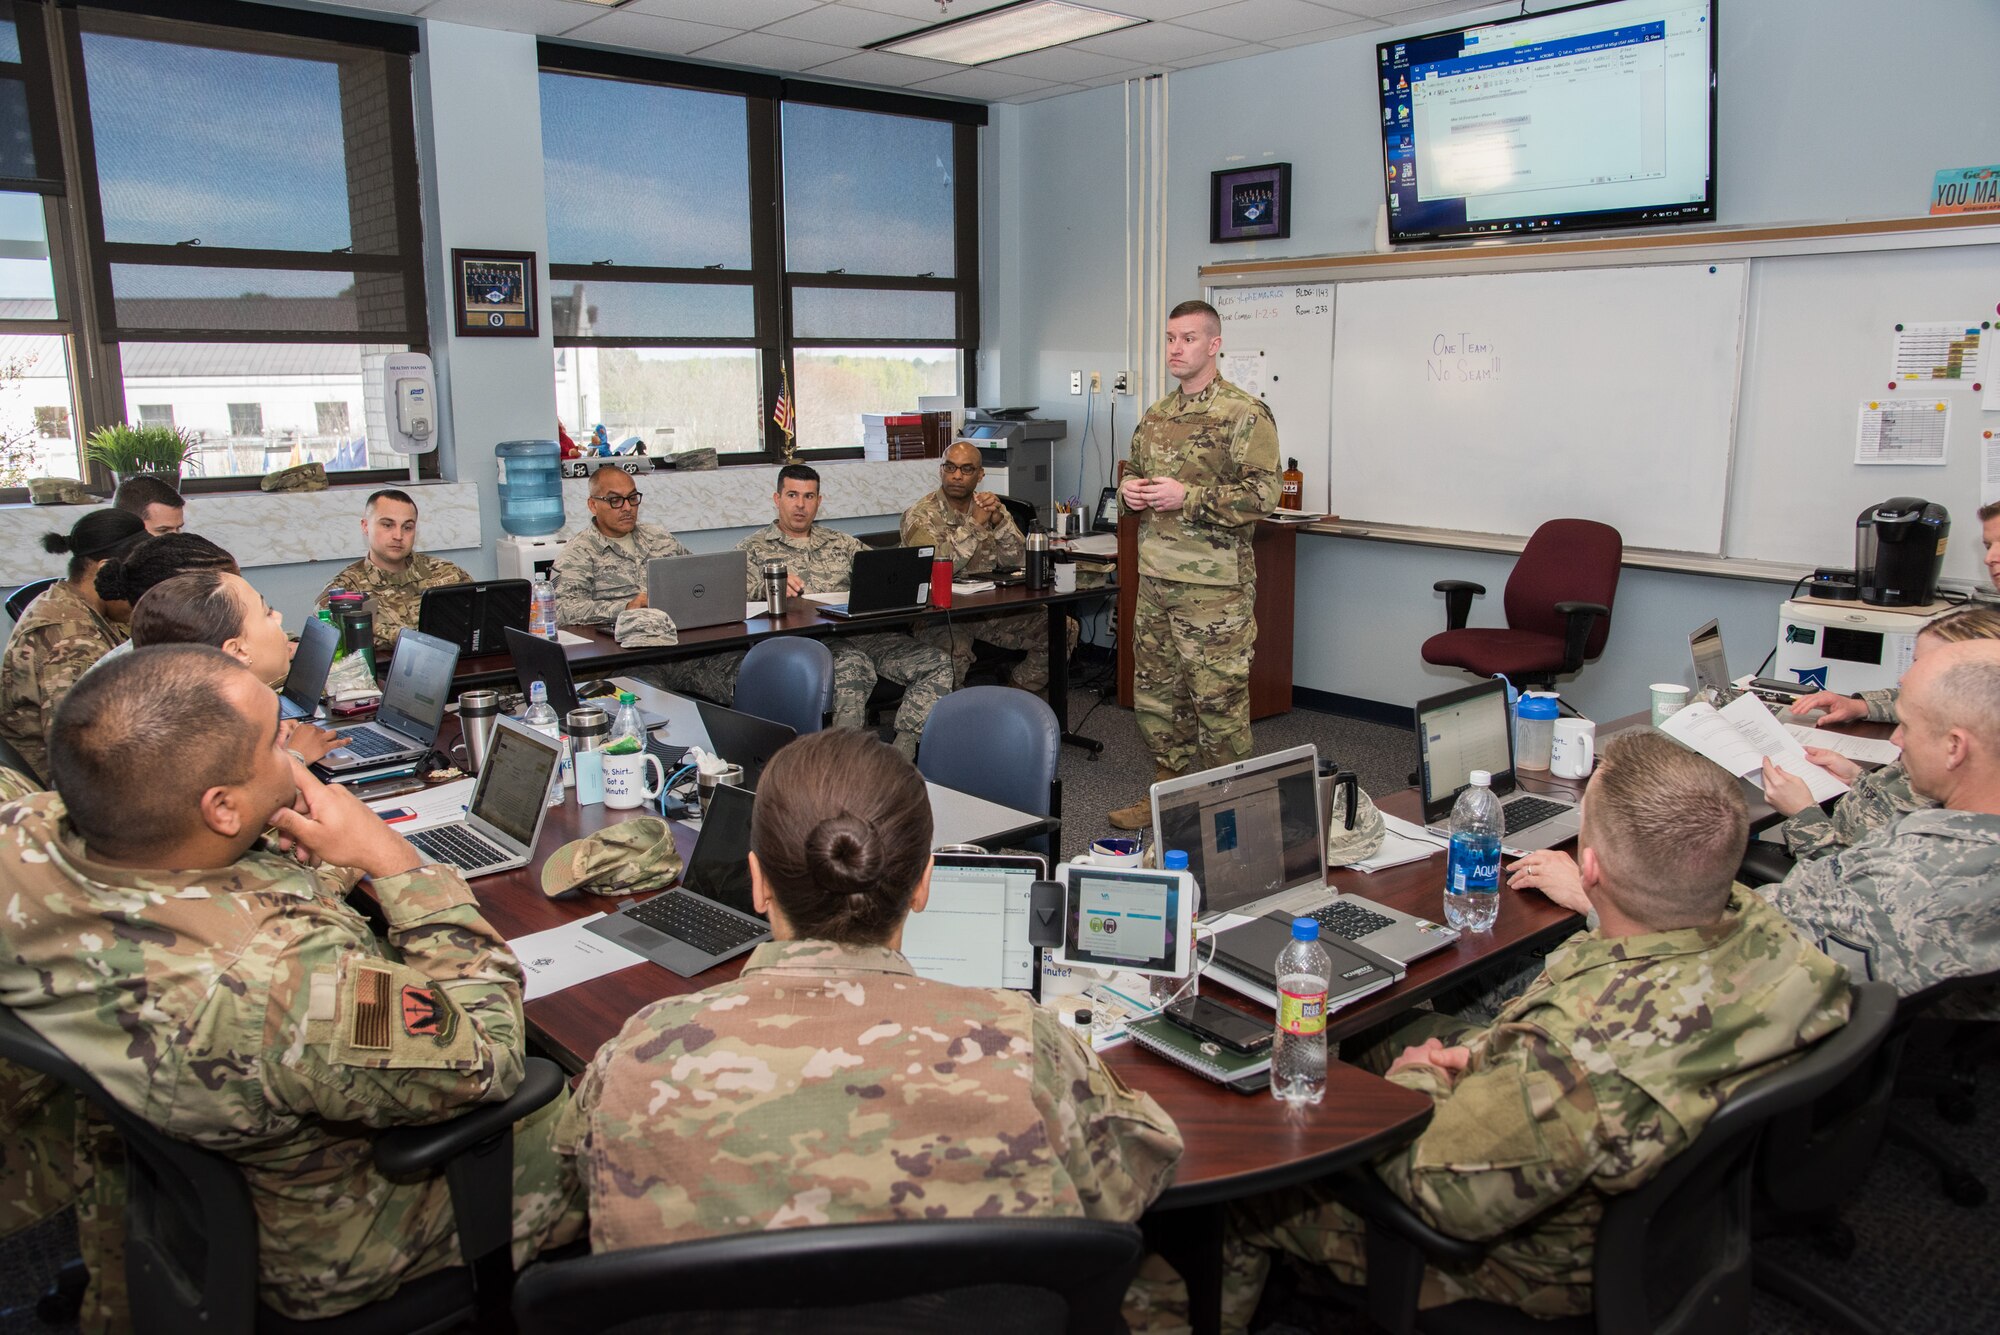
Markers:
point(601, 655)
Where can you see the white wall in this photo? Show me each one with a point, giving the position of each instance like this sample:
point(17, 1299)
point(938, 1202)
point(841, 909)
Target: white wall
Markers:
point(1820, 114)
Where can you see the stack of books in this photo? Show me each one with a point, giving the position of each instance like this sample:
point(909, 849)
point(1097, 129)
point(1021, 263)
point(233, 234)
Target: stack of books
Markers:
point(905, 435)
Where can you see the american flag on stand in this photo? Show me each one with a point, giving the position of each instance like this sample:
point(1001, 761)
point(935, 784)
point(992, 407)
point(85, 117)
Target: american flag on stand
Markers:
point(782, 414)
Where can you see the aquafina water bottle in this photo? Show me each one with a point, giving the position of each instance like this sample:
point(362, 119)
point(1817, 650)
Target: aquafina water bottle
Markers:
point(1472, 885)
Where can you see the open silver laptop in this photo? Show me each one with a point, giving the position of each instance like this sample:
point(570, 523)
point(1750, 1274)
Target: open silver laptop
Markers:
point(697, 591)
point(710, 916)
point(509, 803)
point(414, 693)
point(1711, 664)
point(1468, 729)
point(1255, 835)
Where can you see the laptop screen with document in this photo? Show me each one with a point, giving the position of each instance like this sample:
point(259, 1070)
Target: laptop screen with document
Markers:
point(1251, 829)
point(417, 685)
point(1457, 733)
point(973, 930)
point(514, 783)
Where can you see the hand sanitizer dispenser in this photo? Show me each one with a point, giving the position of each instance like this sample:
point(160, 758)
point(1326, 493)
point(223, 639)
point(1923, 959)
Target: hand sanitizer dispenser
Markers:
point(411, 409)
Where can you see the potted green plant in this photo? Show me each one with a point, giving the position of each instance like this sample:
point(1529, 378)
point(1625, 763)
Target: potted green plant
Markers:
point(148, 448)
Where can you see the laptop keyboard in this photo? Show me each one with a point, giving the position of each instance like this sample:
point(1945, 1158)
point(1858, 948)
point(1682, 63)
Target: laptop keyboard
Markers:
point(457, 846)
point(1345, 918)
point(368, 742)
point(690, 918)
point(1525, 811)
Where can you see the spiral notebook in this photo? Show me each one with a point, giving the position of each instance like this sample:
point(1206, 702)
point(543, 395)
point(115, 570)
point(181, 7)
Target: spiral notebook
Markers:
point(1239, 1071)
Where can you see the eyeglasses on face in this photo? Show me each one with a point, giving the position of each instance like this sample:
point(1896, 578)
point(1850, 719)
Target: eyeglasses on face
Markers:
point(958, 470)
point(618, 502)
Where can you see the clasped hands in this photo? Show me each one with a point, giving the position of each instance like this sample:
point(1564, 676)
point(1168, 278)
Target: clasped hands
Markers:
point(1153, 493)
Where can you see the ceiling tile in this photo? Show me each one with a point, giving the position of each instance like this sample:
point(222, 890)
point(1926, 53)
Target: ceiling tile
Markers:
point(1061, 63)
point(1136, 72)
point(1347, 29)
point(739, 14)
point(543, 17)
point(1042, 94)
point(1151, 9)
point(763, 51)
point(1218, 55)
point(1155, 43)
point(885, 68)
point(841, 25)
point(1254, 20)
point(1403, 11)
point(643, 32)
point(923, 13)
point(982, 83)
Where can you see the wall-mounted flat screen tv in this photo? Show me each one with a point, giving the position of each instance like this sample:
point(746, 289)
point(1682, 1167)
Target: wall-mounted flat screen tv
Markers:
point(1596, 115)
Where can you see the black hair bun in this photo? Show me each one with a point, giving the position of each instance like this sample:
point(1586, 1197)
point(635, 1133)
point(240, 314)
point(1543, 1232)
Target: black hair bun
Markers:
point(843, 855)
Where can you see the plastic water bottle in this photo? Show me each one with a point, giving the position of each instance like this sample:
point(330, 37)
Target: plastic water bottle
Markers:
point(1472, 883)
point(1298, 1058)
point(541, 716)
point(628, 728)
point(542, 608)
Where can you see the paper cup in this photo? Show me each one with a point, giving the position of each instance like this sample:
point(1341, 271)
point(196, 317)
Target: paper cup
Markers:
point(1668, 700)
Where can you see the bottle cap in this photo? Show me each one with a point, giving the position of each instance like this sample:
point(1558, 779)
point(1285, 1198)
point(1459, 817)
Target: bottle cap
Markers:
point(1082, 1018)
point(537, 692)
point(627, 698)
point(1305, 929)
point(1292, 464)
point(1481, 779)
point(1175, 860)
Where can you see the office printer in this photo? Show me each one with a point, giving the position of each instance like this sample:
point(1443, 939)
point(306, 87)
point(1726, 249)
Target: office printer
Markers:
point(1018, 450)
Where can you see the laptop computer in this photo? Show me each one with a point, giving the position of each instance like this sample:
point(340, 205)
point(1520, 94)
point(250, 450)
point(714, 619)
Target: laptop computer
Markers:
point(474, 615)
point(537, 659)
point(1711, 664)
point(1255, 834)
point(697, 591)
point(973, 931)
point(509, 803)
point(1468, 729)
point(306, 682)
point(884, 581)
point(708, 917)
point(412, 710)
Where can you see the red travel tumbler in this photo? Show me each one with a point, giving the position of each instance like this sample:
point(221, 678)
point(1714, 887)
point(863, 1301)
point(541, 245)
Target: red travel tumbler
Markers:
point(941, 582)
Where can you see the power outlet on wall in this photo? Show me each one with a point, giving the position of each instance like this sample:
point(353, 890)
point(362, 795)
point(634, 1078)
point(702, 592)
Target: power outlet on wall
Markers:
point(1121, 383)
point(1097, 382)
point(1076, 382)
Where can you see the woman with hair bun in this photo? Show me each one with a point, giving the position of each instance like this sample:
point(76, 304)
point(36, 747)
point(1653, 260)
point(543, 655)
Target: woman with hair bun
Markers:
point(65, 630)
point(831, 1085)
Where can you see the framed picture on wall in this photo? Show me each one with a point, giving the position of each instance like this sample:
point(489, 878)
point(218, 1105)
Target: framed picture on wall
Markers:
point(1250, 203)
point(493, 293)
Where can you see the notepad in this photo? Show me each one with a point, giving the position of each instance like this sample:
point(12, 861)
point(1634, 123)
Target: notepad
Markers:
point(1740, 736)
point(1240, 1071)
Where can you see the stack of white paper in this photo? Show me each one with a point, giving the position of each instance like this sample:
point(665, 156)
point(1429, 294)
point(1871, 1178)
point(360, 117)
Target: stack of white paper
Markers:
point(1403, 841)
point(1867, 750)
point(1741, 735)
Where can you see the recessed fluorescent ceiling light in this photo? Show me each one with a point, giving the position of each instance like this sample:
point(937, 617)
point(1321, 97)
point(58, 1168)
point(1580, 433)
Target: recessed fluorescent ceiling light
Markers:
point(1009, 31)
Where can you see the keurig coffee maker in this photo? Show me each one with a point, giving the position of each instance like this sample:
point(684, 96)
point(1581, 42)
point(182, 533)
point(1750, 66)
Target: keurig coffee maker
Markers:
point(1899, 551)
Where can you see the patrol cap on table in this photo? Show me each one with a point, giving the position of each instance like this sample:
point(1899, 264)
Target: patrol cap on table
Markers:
point(623, 859)
point(1345, 847)
point(644, 628)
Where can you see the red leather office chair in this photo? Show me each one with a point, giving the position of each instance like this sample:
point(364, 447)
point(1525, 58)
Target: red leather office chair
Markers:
point(1558, 608)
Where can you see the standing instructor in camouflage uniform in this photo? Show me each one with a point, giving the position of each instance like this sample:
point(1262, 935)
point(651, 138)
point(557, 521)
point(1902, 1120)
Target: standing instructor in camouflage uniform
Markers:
point(1204, 470)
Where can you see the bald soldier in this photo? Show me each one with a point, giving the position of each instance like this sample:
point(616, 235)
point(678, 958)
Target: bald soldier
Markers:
point(1204, 470)
point(1607, 1067)
point(1914, 903)
point(229, 994)
point(976, 532)
point(392, 572)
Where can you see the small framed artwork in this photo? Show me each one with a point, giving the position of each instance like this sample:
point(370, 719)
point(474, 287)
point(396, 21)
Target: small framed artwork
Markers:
point(493, 293)
point(1250, 203)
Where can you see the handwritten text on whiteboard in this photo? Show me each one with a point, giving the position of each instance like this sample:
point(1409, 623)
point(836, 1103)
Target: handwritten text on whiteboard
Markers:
point(1460, 358)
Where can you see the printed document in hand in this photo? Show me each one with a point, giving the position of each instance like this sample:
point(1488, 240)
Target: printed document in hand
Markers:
point(1867, 750)
point(1741, 735)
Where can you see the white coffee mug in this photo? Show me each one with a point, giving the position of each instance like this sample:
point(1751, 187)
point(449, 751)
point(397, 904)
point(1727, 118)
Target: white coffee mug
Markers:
point(1574, 752)
point(625, 784)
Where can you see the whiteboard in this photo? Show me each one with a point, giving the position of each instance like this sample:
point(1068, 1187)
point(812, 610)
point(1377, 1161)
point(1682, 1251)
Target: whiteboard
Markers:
point(1277, 343)
point(1488, 403)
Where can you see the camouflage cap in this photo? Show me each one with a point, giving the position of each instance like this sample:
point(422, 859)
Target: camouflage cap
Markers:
point(644, 628)
point(623, 859)
point(1345, 847)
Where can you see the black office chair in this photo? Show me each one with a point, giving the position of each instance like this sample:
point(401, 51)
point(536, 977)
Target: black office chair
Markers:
point(12, 759)
point(1672, 1256)
point(18, 600)
point(1000, 744)
point(967, 1276)
point(191, 1232)
point(1025, 517)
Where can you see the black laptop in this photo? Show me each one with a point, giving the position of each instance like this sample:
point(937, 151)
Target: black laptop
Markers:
point(474, 615)
point(311, 661)
point(708, 917)
point(537, 659)
point(885, 581)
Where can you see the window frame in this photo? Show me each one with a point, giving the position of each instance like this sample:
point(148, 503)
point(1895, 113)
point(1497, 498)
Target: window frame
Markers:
point(772, 284)
point(82, 257)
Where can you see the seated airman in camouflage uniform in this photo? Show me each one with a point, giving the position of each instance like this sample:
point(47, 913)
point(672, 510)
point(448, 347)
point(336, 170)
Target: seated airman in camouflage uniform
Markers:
point(602, 572)
point(819, 560)
point(1914, 902)
point(1608, 1066)
point(63, 632)
point(1204, 470)
point(393, 573)
point(974, 529)
point(831, 1085)
point(244, 1006)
